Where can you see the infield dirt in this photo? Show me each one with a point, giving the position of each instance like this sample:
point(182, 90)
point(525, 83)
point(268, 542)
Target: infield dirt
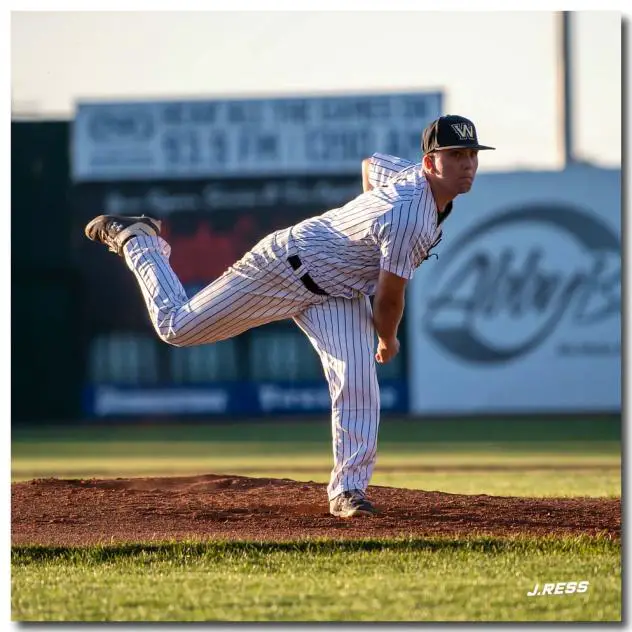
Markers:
point(70, 512)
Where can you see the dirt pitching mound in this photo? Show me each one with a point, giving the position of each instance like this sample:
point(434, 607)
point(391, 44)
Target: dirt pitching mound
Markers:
point(83, 512)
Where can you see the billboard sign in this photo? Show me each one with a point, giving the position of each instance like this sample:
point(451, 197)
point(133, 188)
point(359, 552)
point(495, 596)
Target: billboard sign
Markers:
point(521, 312)
point(247, 399)
point(245, 137)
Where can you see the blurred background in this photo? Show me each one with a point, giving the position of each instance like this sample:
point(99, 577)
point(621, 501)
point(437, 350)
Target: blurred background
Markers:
point(227, 126)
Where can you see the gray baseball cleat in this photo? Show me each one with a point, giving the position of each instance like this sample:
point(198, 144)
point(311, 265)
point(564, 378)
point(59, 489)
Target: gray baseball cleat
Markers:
point(114, 230)
point(350, 504)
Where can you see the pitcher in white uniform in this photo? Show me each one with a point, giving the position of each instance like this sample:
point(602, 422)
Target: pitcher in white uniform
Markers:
point(321, 273)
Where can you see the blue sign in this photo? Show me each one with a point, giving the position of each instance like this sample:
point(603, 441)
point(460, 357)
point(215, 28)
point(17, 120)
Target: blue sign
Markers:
point(228, 398)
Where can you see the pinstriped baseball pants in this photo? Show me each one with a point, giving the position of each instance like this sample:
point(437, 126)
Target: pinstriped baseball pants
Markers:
point(261, 288)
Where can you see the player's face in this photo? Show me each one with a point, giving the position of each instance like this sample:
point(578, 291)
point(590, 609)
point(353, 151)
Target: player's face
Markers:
point(456, 168)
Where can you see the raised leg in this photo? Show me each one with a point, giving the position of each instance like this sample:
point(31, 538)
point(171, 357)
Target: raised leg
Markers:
point(254, 291)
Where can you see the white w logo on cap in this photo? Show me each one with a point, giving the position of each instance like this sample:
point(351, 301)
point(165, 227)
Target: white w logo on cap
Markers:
point(465, 131)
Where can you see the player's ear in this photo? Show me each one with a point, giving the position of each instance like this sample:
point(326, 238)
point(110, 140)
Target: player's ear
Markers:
point(429, 163)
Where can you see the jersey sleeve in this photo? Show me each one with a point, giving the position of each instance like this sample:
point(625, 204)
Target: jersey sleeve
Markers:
point(402, 241)
point(382, 167)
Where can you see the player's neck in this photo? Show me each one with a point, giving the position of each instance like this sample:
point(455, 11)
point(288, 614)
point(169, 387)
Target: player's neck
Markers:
point(441, 197)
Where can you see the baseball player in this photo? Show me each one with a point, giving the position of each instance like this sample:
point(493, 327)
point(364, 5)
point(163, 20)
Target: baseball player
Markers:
point(321, 273)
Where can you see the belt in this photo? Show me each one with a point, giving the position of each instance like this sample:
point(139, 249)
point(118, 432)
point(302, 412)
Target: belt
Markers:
point(307, 280)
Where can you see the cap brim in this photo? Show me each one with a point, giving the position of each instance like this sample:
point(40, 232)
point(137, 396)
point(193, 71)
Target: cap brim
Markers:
point(482, 147)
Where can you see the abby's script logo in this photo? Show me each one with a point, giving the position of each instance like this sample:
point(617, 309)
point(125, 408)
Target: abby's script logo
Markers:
point(504, 286)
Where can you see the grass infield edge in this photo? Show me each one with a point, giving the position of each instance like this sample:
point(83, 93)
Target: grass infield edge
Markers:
point(169, 549)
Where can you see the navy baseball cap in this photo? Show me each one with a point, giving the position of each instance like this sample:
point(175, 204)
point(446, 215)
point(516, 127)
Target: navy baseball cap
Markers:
point(450, 132)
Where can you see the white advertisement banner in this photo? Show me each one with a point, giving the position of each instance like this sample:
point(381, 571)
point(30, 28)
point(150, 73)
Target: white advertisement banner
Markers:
point(521, 312)
point(257, 137)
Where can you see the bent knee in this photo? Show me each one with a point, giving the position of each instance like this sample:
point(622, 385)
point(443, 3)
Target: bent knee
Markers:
point(174, 337)
point(177, 337)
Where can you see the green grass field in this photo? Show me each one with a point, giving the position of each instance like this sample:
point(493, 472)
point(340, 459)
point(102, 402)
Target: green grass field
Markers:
point(400, 580)
point(426, 579)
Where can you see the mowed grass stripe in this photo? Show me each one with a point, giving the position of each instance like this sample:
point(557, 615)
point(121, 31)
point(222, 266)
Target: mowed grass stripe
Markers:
point(288, 448)
point(582, 544)
point(82, 456)
point(539, 429)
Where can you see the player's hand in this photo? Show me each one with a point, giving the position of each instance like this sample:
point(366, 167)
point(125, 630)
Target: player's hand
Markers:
point(386, 350)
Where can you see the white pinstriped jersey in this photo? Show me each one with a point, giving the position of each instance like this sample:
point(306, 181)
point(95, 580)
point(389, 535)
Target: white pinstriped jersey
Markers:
point(391, 227)
point(383, 167)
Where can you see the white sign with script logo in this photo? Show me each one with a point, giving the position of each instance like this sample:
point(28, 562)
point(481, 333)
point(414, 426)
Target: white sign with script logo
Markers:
point(522, 309)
